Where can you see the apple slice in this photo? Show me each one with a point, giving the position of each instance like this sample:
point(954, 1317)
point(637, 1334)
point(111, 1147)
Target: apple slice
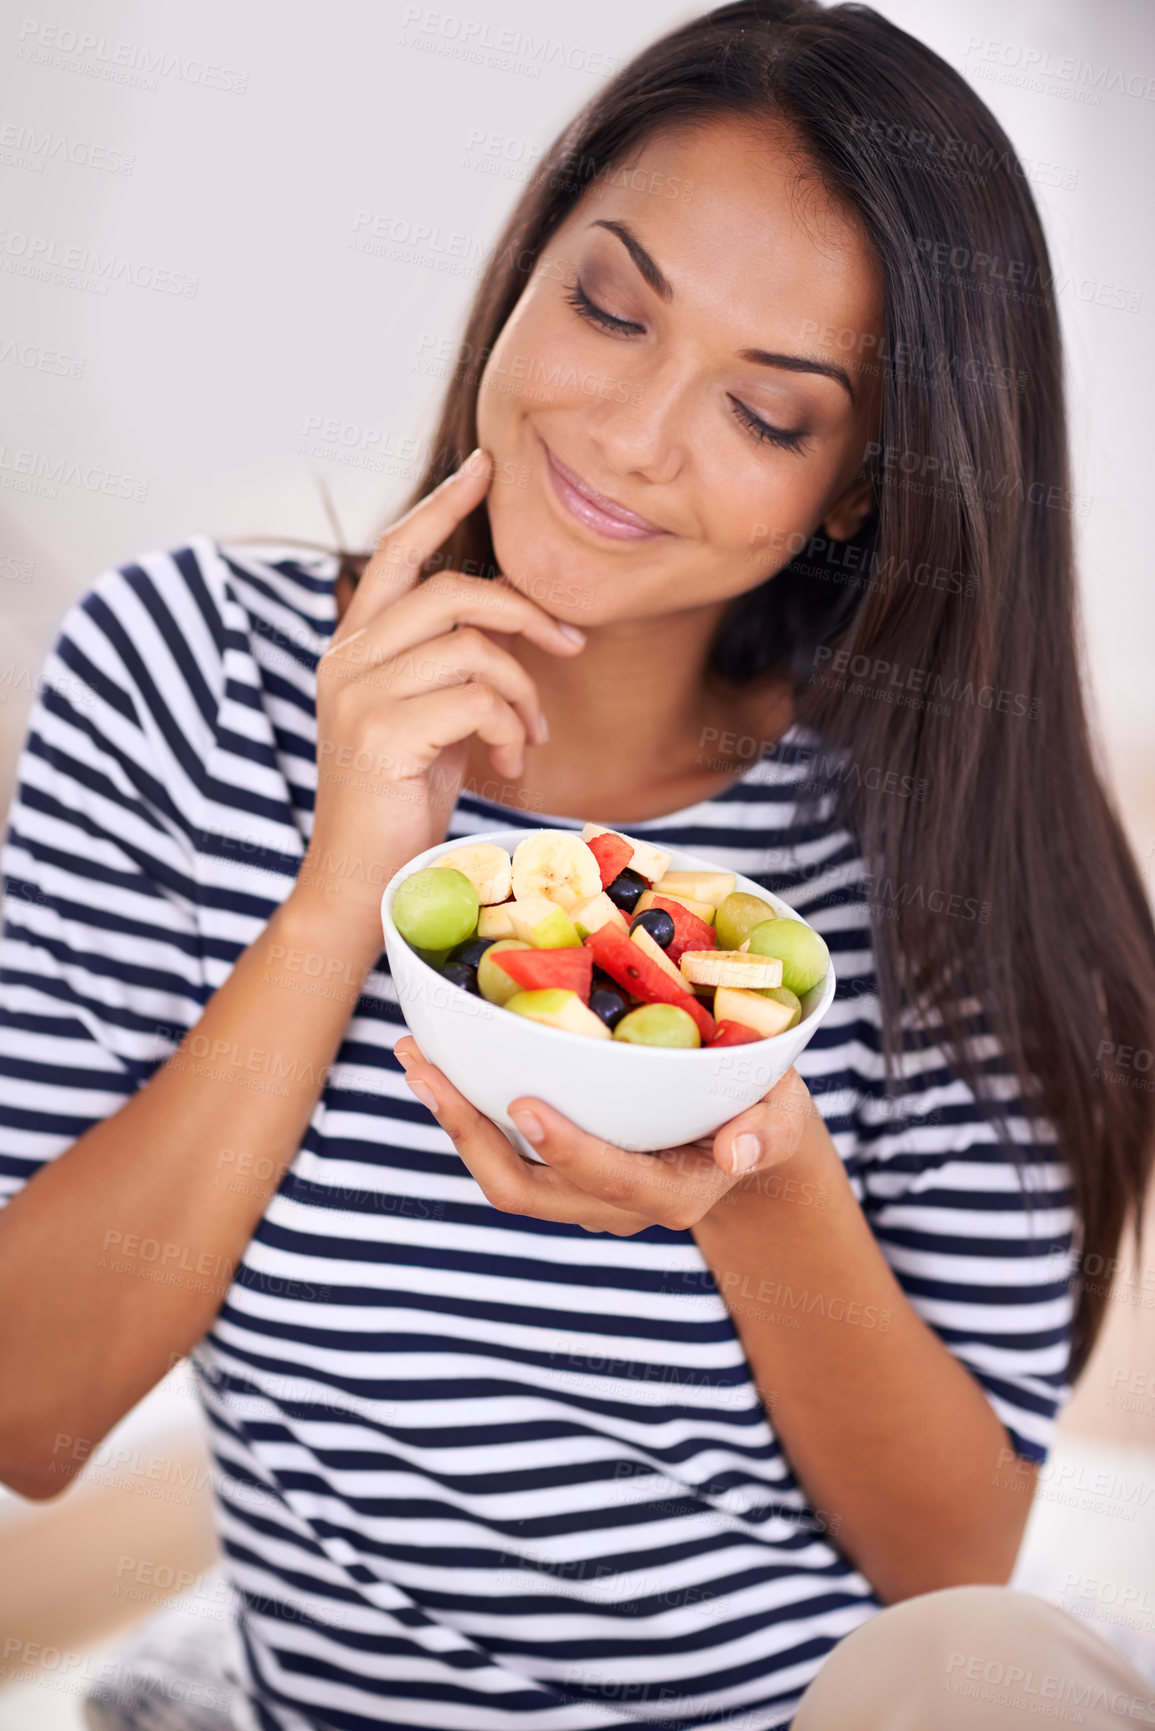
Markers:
point(542, 923)
point(496, 921)
point(556, 1008)
point(791, 1000)
point(730, 968)
point(598, 911)
point(701, 910)
point(537, 970)
point(711, 887)
point(766, 1015)
point(647, 860)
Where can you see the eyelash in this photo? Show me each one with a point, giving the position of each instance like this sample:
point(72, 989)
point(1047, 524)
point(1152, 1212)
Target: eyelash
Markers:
point(580, 301)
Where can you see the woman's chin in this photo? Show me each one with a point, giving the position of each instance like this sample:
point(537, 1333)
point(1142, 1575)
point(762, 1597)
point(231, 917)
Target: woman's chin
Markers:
point(568, 578)
point(565, 584)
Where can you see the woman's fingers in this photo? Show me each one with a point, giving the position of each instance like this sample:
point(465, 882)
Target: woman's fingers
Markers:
point(674, 1188)
point(767, 1132)
point(403, 548)
point(510, 1183)
point(456, 658)
point(413, 673)
point(447, 600)
point(599, 1186)
point(445, 716)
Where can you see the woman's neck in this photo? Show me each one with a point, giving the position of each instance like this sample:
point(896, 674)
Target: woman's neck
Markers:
point(638, 725)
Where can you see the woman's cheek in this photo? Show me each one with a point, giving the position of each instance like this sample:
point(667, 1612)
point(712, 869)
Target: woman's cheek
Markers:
point(744, 516)
point(492, 415)
point(524, 547)
point(772, 521)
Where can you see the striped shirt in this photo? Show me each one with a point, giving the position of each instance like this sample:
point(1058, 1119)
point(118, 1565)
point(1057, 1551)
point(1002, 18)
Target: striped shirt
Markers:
point(473, 1471)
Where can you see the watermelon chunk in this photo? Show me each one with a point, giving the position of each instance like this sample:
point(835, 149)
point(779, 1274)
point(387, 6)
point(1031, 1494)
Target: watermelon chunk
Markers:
point(613, 854)
point(690, 933)
point(627, 963)
point(570, 969)
point(732, 1034)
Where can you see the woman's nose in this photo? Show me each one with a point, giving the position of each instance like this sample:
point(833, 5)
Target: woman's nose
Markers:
point(642, 425)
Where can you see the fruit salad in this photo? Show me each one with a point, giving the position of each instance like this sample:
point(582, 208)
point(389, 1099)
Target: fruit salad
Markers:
point(594, 934)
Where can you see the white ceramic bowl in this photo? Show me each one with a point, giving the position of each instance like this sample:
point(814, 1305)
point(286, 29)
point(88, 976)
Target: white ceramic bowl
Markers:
point(639, 1097)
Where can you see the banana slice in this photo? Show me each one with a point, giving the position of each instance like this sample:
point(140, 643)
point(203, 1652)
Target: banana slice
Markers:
point(648, 861)
point(487, 866)
point(730, 968)
point(558, 865)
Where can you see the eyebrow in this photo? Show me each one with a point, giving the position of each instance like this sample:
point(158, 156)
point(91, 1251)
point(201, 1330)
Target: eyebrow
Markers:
point(662, 287)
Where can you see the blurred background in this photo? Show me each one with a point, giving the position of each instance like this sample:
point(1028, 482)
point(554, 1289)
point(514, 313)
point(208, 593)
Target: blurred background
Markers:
point(237, 244)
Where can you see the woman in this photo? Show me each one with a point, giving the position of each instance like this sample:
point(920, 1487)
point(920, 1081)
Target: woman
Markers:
point(771, 518)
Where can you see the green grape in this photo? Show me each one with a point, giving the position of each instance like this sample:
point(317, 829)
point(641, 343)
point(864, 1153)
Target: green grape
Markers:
point(803, 954)
point(658, 1025)
point(738, 914)
point(783, 996)
point(436, 958)
point(494, 984)
point(436, 908)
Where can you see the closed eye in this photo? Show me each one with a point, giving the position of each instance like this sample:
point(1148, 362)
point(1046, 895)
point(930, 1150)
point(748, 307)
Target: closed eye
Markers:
point(754, 424)
point(764, 432)
point(581, 303)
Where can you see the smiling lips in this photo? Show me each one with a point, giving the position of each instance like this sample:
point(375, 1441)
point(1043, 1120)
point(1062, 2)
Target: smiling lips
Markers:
point(594, 509)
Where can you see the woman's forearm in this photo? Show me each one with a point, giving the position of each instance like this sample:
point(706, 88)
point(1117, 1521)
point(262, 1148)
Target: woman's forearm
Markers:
point(115, 1257)
point(888, 1434)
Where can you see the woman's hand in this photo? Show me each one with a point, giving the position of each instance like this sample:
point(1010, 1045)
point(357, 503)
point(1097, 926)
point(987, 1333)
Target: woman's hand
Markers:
point(410, 674)
point(589, 1183)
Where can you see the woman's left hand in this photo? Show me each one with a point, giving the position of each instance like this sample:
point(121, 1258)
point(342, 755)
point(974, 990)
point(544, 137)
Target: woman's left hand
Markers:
point(590, 1183)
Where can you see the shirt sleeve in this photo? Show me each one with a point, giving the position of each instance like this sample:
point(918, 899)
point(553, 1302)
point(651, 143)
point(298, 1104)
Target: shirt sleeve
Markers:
point(977, 1225)
point(101, 965)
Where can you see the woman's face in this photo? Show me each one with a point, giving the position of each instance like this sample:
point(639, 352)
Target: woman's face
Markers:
point(629, 371)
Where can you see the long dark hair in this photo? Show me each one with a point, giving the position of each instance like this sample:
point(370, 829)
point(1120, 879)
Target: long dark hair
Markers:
point(941, 644)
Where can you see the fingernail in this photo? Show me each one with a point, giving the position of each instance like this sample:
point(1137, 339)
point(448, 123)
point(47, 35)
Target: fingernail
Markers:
point(572, 632)
point(426, 1095)
point(745, 1152)
point(473, 463)
point(531, 1128)
point(403, 1058)
point(542, 730)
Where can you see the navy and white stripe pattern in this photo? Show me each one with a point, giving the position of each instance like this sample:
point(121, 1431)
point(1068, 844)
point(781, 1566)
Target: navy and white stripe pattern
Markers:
point(475, 1471)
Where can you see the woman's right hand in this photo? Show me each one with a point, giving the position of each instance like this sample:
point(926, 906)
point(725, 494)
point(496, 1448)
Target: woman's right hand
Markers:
point(409, 676)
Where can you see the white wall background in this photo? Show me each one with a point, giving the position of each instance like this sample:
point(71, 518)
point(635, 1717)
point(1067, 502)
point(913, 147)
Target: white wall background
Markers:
point(248, 178)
